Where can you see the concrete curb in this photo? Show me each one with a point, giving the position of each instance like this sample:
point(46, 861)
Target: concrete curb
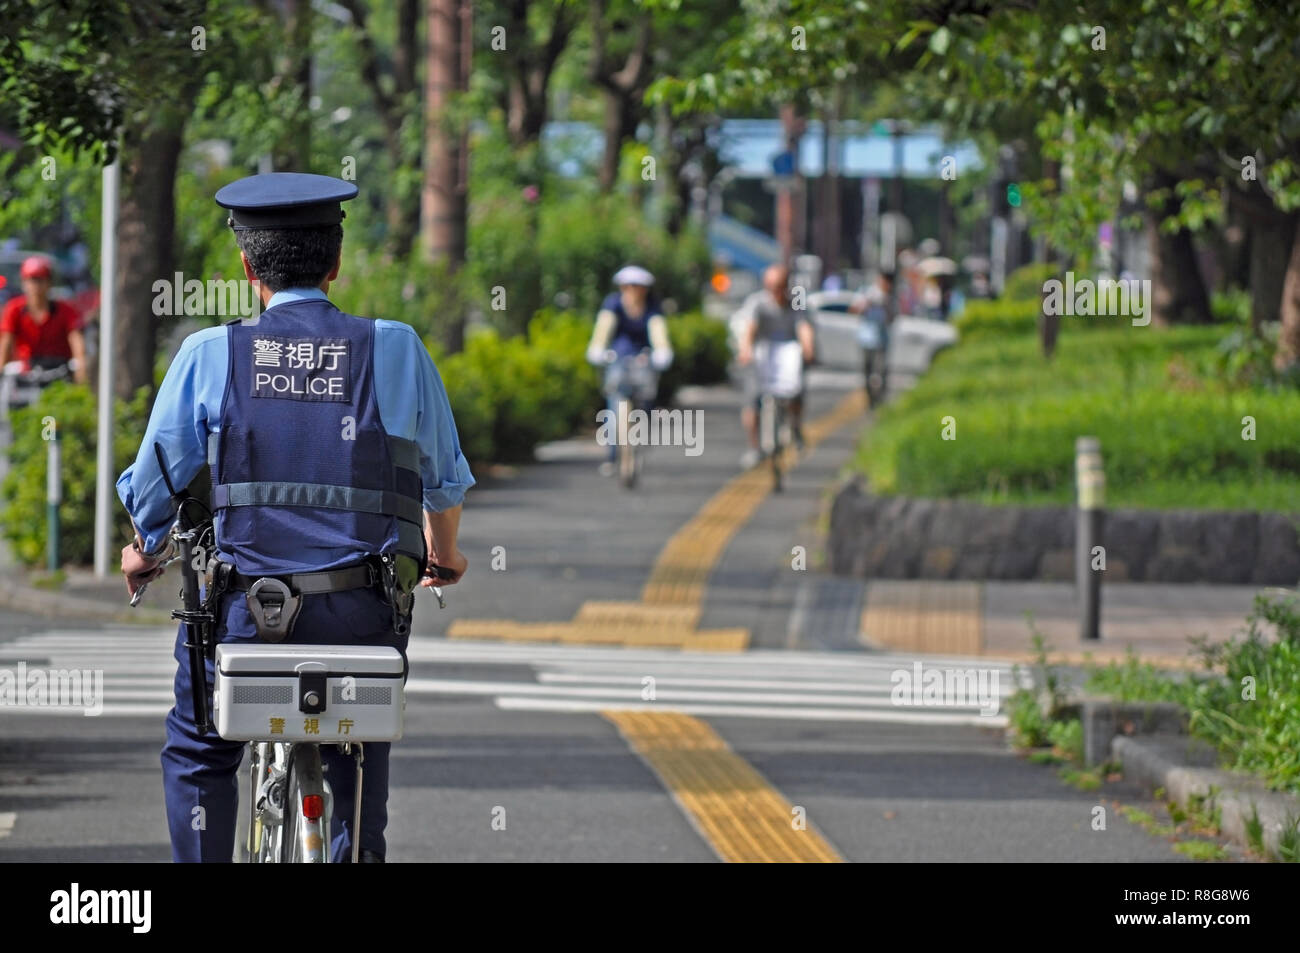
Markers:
point(1104, 719)
point(1150, 742)
point(58, 604)
point(1161, 761)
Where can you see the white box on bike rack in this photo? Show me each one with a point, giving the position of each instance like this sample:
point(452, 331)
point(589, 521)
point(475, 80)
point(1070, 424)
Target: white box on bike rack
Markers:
point(779, 367)
point(258, 686)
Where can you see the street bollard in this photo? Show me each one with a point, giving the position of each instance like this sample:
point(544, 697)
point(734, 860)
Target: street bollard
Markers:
point(53, 497)
point(1090, 480)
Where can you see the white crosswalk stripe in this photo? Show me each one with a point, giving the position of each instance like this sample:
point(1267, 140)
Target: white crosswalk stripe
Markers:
point(138, 672)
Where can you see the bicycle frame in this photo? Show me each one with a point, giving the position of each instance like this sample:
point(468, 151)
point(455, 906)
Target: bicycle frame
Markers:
point(773, 432)
point(633, 384)
point(283, 778)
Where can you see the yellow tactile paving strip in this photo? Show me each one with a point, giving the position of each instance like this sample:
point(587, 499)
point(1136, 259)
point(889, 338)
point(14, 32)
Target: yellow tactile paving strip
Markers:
point(741, 816)
point(669, 611)
point(944, 618)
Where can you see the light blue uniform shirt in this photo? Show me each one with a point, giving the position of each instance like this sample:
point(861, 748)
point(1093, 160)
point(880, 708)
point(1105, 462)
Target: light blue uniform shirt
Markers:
point(412, 404)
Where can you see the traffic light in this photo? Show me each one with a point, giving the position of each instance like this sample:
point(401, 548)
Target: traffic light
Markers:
point(1013, 194)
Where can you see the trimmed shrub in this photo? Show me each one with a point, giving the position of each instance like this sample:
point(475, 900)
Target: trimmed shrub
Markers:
point(1171, 428)
point(510, 394)
point(73, 409)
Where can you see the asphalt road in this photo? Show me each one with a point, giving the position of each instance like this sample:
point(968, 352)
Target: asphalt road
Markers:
point(515, 732)
point(561, 741)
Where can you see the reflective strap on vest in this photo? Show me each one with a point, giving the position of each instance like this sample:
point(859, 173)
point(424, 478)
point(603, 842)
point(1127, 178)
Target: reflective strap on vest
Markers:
point(405, 453)
point(322, 495)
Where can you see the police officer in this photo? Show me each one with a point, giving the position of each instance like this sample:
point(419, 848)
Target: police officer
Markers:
point(336, 470)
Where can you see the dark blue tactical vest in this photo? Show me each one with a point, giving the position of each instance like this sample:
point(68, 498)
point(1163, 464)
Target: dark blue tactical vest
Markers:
point(302, 466)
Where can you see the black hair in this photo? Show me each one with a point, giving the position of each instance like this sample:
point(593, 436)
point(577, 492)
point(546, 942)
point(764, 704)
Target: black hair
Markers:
point(291, 257)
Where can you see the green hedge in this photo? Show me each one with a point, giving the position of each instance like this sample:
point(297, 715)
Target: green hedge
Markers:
point(22, 520)
point(997, 318)
point(510, 394)
point(1170, 426)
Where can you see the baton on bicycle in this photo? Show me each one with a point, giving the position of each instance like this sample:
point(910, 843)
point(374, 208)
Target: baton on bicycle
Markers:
point(197, 621)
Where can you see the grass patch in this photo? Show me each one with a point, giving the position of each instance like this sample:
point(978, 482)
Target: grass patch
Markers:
point(1201, 850)
point(50, 580)
point(1082, 779)
point(1168, 414)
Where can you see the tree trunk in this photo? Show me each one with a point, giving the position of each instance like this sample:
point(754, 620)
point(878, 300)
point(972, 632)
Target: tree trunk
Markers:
point(145, 232)
point(828, 194)
point(1177, 288)
point(401, 209)
point(1271, 239)
point(621, 118)
point(1288, 343)
point(1049, 325)
point(1236, 245)
point(294, 153)
point(443, 200)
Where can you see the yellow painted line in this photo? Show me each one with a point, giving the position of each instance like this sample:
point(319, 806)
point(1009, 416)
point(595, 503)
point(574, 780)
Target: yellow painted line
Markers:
point(671, 600)
point(942, 618)
point(741, 816)
point(682, 570)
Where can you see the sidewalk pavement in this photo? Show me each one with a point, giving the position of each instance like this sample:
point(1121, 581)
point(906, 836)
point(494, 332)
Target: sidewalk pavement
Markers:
point(994, 618)
point(84, 597)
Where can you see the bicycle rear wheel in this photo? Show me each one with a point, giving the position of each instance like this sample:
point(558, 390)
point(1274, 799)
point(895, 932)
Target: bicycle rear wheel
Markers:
point(627, 453)
point(306, 834)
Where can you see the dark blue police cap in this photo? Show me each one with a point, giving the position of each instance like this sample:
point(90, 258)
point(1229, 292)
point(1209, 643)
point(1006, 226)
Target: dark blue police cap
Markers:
point(285, 200)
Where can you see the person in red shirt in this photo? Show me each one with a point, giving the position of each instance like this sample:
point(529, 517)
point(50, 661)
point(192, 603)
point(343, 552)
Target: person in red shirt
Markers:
point(33, 327)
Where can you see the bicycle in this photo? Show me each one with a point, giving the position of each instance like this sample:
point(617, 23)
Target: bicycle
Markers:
point(779, 366)
point(774, 433)
point(258, 693)
point(21, 387)
point(633, 383)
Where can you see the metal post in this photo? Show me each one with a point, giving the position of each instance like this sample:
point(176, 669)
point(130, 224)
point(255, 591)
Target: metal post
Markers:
point(104, 476)
point(53, 497)
point(1090, 480)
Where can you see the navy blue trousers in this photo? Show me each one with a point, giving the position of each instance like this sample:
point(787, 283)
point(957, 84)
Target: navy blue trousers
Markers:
point(200, 772)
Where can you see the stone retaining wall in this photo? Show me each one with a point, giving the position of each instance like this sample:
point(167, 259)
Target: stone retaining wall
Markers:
point(903, 538)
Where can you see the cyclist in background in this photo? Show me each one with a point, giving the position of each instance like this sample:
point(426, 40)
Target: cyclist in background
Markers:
point(768, 321)
point(39, 331)
point(629, 322)
point(876, 305)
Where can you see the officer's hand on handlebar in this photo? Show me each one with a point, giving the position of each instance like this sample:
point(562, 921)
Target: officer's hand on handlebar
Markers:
point(138, 569)
point(452, 568)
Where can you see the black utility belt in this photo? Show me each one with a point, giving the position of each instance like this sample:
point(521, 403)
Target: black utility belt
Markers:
point(312, 583)
point(275, 601)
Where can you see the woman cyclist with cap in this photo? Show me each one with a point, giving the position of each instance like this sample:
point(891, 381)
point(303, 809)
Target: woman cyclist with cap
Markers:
point(629, 322)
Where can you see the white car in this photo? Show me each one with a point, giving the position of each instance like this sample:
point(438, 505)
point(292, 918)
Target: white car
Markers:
point(913, 341)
